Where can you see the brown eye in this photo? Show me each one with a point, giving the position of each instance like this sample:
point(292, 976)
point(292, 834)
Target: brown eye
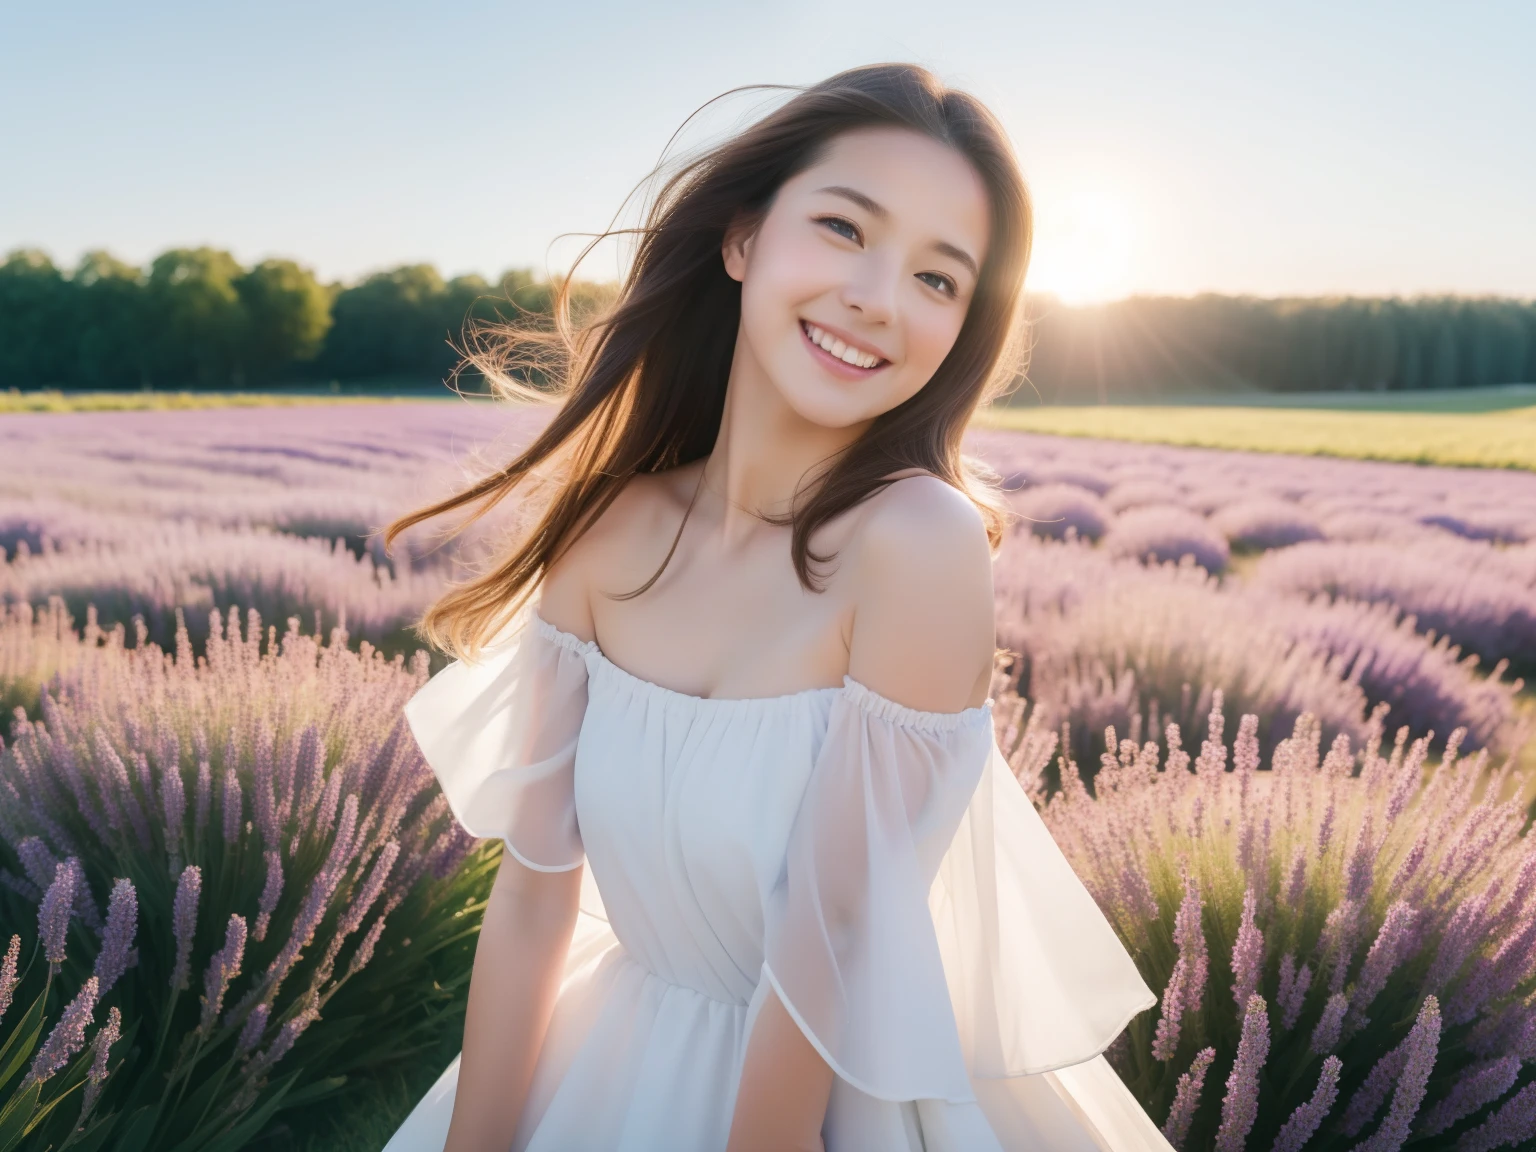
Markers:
point(939, 282)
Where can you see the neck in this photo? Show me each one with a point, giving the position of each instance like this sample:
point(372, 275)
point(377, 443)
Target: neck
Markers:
point(764, 452)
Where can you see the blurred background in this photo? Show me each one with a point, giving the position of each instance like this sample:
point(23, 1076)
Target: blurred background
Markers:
point(1268, 593)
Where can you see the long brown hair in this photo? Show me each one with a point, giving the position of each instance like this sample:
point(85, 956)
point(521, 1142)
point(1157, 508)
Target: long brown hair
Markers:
point(642, 387)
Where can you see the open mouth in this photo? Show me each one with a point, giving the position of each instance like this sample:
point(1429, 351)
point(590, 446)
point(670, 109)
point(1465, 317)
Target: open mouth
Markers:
point(837, 354)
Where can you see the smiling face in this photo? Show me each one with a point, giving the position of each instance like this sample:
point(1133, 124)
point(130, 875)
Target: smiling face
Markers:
point(857, 280)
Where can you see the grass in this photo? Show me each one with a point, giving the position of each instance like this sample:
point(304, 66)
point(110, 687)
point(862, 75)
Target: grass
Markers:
point(1473, 428)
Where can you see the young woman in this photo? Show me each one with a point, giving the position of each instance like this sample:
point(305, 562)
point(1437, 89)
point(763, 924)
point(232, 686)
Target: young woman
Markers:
point(768, 883)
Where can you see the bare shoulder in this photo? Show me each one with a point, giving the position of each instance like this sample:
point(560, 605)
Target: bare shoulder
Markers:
point(921, 584)
point(618, 549)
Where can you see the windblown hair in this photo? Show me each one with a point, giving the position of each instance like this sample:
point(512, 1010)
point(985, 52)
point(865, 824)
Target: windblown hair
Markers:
point(641, 387)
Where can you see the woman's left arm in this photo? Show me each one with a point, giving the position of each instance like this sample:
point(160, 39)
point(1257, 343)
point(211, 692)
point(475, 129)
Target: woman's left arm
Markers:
point(923, 636)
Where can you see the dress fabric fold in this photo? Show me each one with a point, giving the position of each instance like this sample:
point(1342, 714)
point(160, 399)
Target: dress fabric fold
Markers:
point(874, 866)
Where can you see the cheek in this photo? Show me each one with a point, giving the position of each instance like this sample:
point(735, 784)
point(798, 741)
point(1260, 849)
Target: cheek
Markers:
point(931, 333)
point(786, 269)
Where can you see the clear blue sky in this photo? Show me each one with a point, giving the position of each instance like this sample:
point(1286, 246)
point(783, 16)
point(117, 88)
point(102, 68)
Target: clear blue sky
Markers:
point(1172, 147)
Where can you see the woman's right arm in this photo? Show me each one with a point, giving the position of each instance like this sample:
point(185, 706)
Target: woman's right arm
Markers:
point(529, 920)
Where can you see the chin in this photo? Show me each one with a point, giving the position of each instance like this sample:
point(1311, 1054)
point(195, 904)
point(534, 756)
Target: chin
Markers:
point(820, 405)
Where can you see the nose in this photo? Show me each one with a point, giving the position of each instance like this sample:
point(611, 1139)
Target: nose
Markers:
point(871, 290)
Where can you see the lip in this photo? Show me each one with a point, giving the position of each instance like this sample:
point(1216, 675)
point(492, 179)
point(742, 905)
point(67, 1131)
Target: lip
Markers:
point(841, 367)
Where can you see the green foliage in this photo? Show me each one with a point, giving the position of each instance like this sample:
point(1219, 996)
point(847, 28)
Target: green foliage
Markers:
point(242, 1001)
point(1147, 347)
point(287, 314)
point(197, 318)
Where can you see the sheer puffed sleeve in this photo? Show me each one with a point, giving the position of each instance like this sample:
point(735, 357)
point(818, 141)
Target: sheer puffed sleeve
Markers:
point(913, 944)
point(500, 734)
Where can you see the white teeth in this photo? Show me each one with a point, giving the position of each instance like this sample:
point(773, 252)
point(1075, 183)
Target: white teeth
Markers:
point(835, 347)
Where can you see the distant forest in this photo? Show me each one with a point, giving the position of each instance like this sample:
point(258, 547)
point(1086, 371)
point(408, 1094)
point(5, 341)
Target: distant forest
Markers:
point(196, 318)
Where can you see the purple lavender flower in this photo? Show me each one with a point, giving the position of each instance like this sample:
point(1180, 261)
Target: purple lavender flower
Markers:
point(67, 1037)
point(1386, 952)
point(1513, 1123)
point(1240, 1106)
point(1360, 867)
point(223, 967)
point(255, 1026)
point(1423, 1043)
point(184, 918)
point(106, 1036)
point(363, 899)
point(8, 977)
point(1247, 954)
point(1294, 983)
point(1372, 1094)
point(270, 892)
point(1296, 882)
point(1166, 1042)
point(1478, 1085)
point(1461, 935)
point(232, 807)
point(1496, 976)
point(84, 908)
point(117, 953)
point(53, 914)
point(305, 925)
point(1336, 945)
point(288, 1035)
point(1306, 1119)
point(1191, 941)
point(1325, 1036)
point(1186, 1098)
point(37, 862)
point(173, 799)
point(365, 947)
point(204, 800)
point(263, 798)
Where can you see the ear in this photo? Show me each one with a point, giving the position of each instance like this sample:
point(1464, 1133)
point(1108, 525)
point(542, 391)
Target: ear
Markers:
point(737, 246)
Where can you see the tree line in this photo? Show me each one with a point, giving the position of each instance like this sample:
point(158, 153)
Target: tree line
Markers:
point(1150, 346)
point(195, 317)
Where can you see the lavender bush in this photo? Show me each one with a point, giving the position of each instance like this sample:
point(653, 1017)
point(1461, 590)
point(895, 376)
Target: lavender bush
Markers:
point(195, 568)
point(1106, 642)
point(1262, 524)
point(1057, 510)
point(1481, 597)
point(1141, 492)
point(1167, 532)
point(142, 513)
point(231, 853)
point(1344, 943)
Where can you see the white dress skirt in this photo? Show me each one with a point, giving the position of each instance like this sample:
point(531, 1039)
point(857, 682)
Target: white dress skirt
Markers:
point(876, 867)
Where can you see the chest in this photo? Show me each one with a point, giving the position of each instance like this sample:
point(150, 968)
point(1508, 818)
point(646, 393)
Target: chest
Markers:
point(733, 626)
point(676, 792)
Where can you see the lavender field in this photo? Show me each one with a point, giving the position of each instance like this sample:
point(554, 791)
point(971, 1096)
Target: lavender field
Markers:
point(1274, 708)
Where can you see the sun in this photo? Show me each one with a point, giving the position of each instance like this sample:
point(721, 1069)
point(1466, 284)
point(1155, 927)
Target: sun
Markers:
point(1082, 249)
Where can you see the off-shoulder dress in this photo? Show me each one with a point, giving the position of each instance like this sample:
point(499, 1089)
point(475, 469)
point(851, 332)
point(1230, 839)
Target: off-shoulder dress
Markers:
point(876, 867)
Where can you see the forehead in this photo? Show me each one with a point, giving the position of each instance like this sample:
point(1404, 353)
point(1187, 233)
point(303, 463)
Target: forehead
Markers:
point(926, 186)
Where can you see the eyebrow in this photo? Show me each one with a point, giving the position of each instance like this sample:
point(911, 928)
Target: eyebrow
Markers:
point(874, 208)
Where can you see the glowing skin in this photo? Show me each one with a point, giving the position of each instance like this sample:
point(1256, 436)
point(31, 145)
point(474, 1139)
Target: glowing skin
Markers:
point(876, 247)
point(873, 248)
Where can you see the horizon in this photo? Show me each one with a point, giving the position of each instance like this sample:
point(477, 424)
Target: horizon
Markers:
point(1322, 152)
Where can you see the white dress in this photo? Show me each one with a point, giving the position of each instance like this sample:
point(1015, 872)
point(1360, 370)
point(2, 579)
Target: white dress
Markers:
point(875, 866)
